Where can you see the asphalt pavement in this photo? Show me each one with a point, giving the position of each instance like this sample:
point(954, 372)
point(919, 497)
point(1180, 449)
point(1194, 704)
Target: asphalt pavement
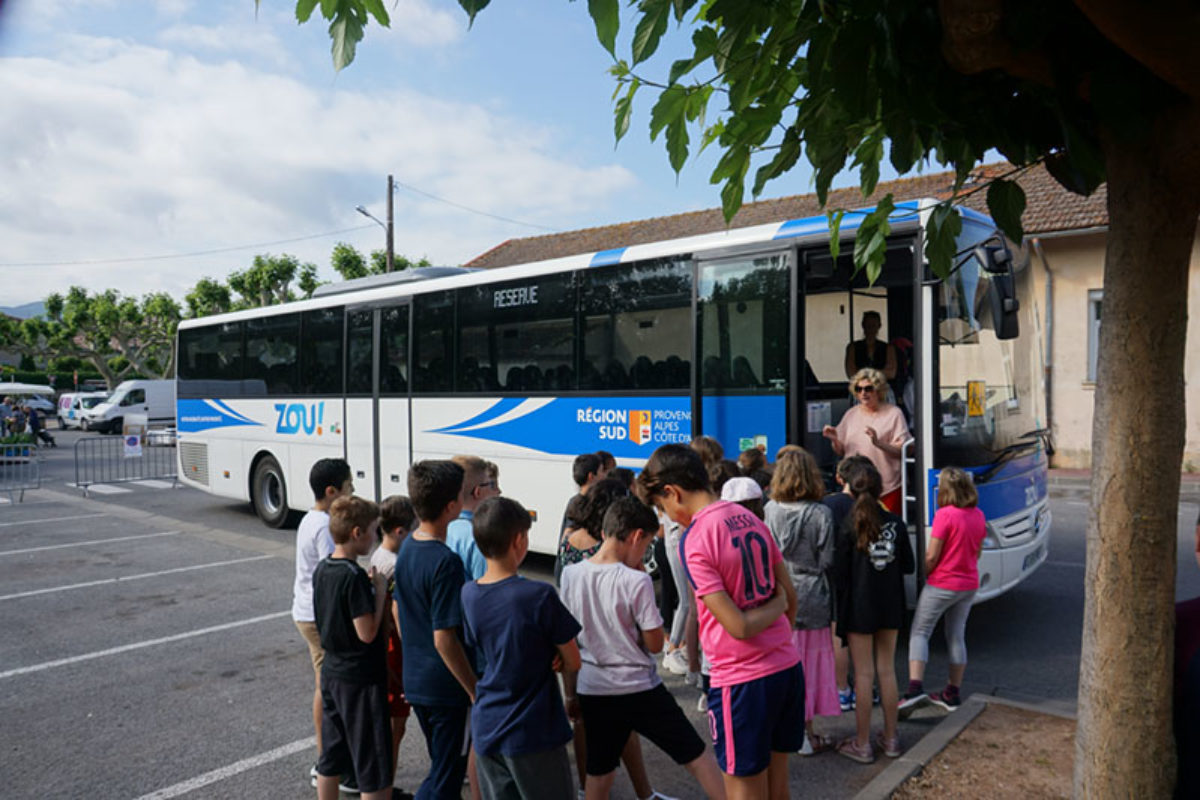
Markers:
point(149, 652)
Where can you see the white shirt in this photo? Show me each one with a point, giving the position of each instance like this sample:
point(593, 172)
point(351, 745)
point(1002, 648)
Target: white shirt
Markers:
point(384, 561)
point(614, 604)
point(313, 543)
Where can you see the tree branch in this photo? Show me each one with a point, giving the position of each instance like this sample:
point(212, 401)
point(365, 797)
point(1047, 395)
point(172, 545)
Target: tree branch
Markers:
point(973, 41)
point(1161, 35)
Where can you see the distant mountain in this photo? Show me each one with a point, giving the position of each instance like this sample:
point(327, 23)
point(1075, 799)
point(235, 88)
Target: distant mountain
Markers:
point(26, 311)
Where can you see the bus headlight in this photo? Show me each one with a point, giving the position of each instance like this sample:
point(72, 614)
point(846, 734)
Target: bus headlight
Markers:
point(992, 540)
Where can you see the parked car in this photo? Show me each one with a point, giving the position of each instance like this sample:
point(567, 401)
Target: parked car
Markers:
point(72, 405)
point(154, 399)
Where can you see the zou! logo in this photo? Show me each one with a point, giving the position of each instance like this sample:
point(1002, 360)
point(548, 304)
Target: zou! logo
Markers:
point(307, 417)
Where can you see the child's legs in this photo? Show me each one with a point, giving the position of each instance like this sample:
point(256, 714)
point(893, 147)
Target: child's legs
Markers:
point(655, 715)
point(608, 734)
point(447, 739)
point(635, 765)
point(473, 775)
point(399, 725)
point(932, 603)
point(885, 666)
point(841, 660)
point(861, 647)
point(579, 742)
point(540, 775)
point(956, 635)
point(316, 654)
point(753, 721)
point(679, 579)
point(746, 787)
point(692, 634)
point(777, 777)
point(360, 715)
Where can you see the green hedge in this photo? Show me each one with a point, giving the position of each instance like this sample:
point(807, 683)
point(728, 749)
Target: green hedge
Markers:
point(63, 381)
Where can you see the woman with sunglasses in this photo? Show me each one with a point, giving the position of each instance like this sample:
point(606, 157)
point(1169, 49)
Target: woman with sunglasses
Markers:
point(873, 428)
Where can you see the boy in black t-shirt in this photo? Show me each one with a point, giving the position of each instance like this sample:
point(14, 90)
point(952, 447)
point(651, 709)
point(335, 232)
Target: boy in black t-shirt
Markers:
point(349, 605)
point(439, 678)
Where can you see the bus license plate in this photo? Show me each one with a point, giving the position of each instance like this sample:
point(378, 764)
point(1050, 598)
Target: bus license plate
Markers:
point(1032, 558)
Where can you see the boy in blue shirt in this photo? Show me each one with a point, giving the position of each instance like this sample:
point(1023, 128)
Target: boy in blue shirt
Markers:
point(439, 679)
point(519, 627)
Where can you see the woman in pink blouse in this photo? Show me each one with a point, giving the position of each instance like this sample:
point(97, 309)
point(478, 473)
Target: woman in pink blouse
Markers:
point(873, 428)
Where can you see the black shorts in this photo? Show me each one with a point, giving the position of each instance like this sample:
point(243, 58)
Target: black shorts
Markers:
point(609, 719)
point(356, 733)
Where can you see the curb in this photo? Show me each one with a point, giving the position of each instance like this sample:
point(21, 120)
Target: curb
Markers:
point(917, 757)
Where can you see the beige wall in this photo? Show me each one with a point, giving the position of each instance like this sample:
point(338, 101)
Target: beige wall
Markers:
point(1077, 266)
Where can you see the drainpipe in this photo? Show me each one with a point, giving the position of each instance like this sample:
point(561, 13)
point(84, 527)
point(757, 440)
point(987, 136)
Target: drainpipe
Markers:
point(1048, 347)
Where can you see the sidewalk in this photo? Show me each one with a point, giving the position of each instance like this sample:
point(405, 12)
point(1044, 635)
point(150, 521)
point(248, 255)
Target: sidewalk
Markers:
point(1076, 483)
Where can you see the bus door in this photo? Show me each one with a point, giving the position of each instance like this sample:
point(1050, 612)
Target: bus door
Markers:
point(741, 378)
point(376, 416)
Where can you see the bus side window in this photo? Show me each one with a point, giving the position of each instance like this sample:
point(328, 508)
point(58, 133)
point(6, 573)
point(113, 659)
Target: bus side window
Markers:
point(433, 348)
point(393, 356)
point(321, 351)
point(636, 326)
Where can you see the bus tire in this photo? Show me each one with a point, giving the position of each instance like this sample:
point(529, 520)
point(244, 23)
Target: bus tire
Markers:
point(268, 493)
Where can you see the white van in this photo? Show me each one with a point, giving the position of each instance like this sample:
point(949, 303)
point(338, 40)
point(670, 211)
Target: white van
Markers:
point(155, 399)
point(71, 406)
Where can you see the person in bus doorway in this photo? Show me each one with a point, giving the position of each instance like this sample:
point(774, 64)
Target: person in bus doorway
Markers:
point(873, 428)
point(951, 562)
point(869, 351)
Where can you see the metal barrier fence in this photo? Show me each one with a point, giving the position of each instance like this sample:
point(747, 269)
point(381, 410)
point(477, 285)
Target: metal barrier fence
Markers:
point(20, 469)
point(116, 459)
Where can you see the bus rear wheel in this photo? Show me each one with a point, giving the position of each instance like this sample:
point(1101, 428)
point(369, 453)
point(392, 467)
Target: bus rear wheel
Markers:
point(268, 493)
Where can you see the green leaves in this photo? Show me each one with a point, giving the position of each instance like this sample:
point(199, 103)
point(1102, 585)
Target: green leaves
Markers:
point(650, 28)
point(607, 18)
point(870, 243)
point(941, 237)
point(346, 31)
point(473, 7)
point(1006, 203)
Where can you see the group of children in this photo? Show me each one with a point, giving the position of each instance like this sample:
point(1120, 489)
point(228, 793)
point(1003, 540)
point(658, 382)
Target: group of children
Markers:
point(503, 672)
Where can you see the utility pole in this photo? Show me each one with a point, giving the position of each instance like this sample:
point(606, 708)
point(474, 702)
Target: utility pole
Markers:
point(391, 247)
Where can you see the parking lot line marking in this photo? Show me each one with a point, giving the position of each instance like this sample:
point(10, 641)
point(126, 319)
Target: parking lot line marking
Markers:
point(200, 781)
point(85, 544)
point(125, 648)
point(106, 488)
point(127, 578)
point(48, 519)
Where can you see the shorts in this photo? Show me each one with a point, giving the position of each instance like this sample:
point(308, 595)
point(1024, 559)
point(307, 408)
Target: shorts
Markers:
point(544, 774)
point(395, 686)
point(313, 639)
point(751, 720)
point(609, 719)
point(356, 735)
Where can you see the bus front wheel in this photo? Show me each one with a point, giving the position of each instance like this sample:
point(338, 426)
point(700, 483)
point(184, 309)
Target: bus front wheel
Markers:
point(268, 493)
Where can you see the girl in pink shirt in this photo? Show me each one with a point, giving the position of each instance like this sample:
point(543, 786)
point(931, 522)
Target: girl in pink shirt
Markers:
point(745, 604)
point(951, 562)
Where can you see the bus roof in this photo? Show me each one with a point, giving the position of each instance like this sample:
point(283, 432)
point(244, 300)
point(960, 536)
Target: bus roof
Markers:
point(908, 215)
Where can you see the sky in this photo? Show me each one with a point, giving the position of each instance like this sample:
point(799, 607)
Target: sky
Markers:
point(147, 135)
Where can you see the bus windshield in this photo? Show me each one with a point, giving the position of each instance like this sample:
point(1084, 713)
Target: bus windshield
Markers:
point(991, 403)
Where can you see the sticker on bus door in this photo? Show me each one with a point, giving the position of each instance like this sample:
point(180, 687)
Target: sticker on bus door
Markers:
point(976, 398)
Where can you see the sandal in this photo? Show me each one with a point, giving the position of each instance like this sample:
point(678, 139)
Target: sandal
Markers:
point(889, 747)
point(850, 749)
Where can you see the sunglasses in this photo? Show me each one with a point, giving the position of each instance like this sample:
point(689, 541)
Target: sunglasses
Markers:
point(864, 389)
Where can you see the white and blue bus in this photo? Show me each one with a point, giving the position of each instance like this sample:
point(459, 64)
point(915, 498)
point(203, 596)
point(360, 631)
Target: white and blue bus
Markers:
point(739, 334)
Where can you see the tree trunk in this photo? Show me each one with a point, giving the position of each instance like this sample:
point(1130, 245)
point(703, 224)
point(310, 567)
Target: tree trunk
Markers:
point(1124, 745)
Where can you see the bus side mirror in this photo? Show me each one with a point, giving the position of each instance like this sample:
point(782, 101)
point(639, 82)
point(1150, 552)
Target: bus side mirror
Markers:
point(1005, 307)
point(994, 259)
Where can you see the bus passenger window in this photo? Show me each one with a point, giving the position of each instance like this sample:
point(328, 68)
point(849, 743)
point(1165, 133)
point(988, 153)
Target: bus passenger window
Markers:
point(636, 326)
point(321, 351)
point(210, 361)
point(393, 356)
point(433, 348)
point(360, 331)
point(272, 345)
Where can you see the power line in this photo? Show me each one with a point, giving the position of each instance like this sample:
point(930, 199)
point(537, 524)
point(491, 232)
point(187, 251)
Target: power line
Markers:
point(474, 210)
point(168, 256)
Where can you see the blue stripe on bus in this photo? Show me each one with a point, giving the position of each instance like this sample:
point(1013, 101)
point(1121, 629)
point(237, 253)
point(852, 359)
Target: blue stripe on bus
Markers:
point(1019, 484)
point(606, 258)
point(820, 223)
point(224, 407)
point(193, 416)
point(495, 410)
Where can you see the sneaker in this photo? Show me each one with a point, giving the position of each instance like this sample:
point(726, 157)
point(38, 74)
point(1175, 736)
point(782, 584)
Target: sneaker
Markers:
point(676, 661)
point(807, 749)
point(846, 699)
point(702, 703)
point(910, 702)
point(348, 785)
point(850, 749)
point(947, 698)
point(890, 747)
point(312, 776)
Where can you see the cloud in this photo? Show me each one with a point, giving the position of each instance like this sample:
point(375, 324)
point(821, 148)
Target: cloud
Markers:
point(257, 41)
point(418, 23)
point(129, 149)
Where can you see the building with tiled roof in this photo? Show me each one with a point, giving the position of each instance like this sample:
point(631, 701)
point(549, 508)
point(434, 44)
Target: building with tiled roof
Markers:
point(1050, 208)
point(1068, 235)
